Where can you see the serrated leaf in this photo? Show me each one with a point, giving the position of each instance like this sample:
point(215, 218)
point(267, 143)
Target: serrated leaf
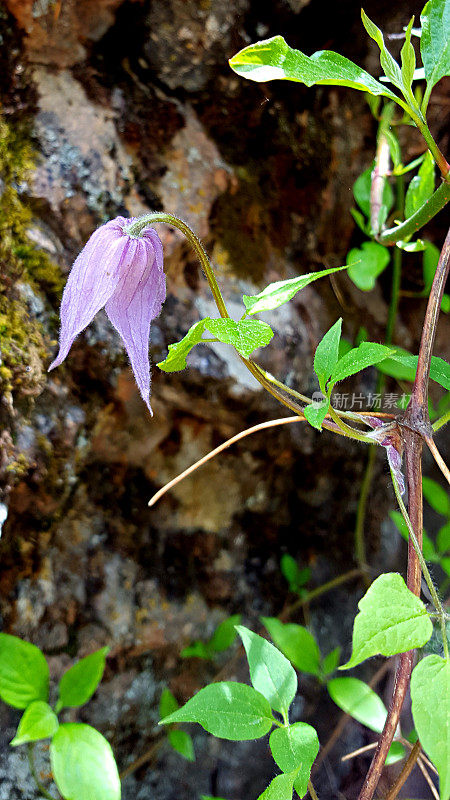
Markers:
point(176, 359)
point(246, 335)
point(280, 788)
point(388, 63)
point(403, 366)
point(408, 58)
point(391, 620)
point(24, 674)
point(421, 187)
point(366, 355)
point(436, 496)
point(38, 721)
point(83, 764)
point(270, 671)
point(228, 710)
point(225, 634)
point(182, 743)
point(273, 59)
point(331, 661)
point(327, 353)
point(360, 701)
point(435, 41)
point(280, 292)
point(79, 683)
point(295, 748)
point(366, 264)
point(167, 703)
point(296, 642)
point(430, 696)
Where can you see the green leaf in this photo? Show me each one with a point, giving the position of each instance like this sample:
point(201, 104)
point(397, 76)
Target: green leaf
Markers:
point(79, 683)
point(182, 743)
point(394, 148)
point(83, 764)
point(176, 359)
point(411, 247)
point(408, 58)
point(388, 63)
point(403, 365)
point(296, 642)
point(430, 696)
point(360, 701)
point(391, 620)
point(443, 538)
point(38, 722)
point(421, 186)
point(167, 703)
point(396, 753)
point(280, 788)
point(366, 355)
point(225, 634)
point(197, 650)
point(273, 59)
point(270, 672)
point(316, 413)
point(296, 578)
point(24, 674)
point(331, 661)
point(435, 41)
point(436, 496)
point(366, 264)
point(228, 710)
point(280, 292)
point(327, 353)
point(246, 335)
point(361, 190)
point(295, 748)
point(428, 549)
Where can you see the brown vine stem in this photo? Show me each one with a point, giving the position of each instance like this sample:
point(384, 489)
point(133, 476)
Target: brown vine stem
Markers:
point(416, 427)
point(405, 773)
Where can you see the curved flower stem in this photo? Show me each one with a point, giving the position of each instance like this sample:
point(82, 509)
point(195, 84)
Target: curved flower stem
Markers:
point(347, 430)
point(423, 215)
point(319, 590)
point(438, 458)
point(312, 791)
point(426, 573)
point(43, 791)
point(135, 228)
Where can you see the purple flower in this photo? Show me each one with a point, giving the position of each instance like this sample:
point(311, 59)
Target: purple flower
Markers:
point(124, 274)
point(388, 435)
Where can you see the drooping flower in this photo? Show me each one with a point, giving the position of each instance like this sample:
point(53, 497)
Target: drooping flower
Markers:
point(123, 273)
point(388, 435)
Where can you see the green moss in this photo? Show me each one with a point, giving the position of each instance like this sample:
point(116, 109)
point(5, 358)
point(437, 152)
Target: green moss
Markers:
point(22, 343)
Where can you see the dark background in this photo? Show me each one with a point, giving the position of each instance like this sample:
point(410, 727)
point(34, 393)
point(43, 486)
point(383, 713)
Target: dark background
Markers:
point(115, 108)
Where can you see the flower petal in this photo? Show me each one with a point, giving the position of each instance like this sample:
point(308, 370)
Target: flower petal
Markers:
point(92, 280)
point(137, 300)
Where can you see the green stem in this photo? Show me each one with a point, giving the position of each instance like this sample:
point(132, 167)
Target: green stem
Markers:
point(350, 432)
point(396, 269)
point(136, 228)
point(312, 791)
point(434, 595)
point(33, 771)
point(430, 208)
point(441, 421)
